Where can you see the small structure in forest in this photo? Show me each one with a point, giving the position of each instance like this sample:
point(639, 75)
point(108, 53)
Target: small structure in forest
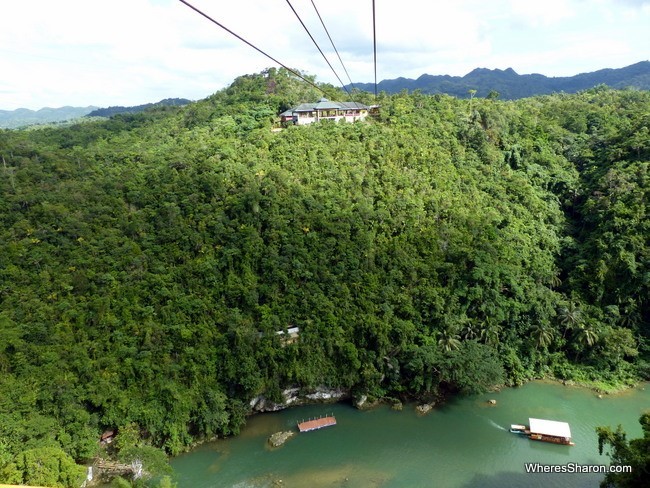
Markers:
point(324, 109)
point(107, 437)
point(290, 336)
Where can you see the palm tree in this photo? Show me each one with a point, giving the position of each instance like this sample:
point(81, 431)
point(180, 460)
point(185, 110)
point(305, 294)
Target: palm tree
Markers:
point(570, 317)
point(448, 340)
point(489, 333)
point(543, 335)
point(587, 335)
point(631, 316)
point(469, 332)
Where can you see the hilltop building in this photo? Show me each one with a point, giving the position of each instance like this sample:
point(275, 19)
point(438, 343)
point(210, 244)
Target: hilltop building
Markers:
point(324, 109)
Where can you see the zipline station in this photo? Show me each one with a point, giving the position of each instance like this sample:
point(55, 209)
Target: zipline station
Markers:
point(324, 109)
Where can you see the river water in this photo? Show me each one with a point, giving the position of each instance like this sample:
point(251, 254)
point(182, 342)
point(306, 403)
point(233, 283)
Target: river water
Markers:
point(463, 443)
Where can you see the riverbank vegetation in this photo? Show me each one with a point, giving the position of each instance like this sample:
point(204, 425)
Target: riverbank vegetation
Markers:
point(633, 454)
point(148, 261)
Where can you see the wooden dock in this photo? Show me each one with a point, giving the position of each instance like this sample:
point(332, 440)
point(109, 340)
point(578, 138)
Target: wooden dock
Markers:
point(315, 424)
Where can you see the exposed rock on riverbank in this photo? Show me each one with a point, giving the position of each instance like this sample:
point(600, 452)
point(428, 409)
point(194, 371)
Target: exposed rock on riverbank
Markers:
point(296, 396)
point(363, 402)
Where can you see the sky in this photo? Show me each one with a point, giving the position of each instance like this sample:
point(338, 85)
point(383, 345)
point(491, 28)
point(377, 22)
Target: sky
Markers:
point(129, 52)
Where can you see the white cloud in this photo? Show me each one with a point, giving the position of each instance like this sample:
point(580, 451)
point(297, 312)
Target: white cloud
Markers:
point(537, 13)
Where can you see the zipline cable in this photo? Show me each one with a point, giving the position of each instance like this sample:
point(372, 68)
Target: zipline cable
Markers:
point(253, 46)
point(335, 50)
point(374, 43)
point(319, 49)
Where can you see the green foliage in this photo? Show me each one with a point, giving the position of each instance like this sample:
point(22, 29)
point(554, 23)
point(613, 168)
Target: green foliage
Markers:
point(473, 368)
point(154, 461)
point(634, 453)
point(45, 466)
point(149, 261)
point(164, 482)
point(128, 436)
point(120, 482)
point(5, 453)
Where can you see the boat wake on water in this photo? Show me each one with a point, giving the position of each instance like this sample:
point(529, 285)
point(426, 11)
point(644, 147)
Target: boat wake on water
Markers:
point(494, 424)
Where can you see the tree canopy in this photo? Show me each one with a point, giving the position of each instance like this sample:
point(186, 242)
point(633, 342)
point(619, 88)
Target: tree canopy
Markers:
point(634, 454)
point(147, 261)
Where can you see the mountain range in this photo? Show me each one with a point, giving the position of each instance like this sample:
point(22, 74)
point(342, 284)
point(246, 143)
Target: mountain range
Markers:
point(509, 85)
point(22, 117)
point(110, 111)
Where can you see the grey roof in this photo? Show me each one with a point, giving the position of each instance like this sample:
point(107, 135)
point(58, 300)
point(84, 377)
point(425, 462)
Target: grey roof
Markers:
point(353, 105)
point(325, 104)
point(287, 113)
point(305, 107)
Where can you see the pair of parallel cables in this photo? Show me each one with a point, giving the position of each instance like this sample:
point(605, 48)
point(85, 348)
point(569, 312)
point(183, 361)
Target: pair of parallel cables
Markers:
point(313, 40)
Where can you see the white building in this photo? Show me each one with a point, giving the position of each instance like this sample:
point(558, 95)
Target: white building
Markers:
point(324, 109)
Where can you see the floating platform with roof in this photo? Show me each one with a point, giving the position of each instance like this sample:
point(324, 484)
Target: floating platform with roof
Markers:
point(545, 430)
point(315, 424)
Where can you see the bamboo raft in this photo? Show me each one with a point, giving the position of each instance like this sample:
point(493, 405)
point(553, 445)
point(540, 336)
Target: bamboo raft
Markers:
point(315, 424)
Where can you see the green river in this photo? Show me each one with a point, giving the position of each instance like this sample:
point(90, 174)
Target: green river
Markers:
point(463, 443)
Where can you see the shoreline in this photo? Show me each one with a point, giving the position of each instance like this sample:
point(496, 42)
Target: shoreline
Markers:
point(598, 388)
point(435, 402)
point(466, 428)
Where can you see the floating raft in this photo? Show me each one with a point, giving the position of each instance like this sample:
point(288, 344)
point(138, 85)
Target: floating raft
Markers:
point(315, 424)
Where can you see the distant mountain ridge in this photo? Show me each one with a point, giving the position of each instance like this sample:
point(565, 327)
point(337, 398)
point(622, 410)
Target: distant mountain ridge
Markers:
point(110, 111)
point(511, 85)
point(23, 117)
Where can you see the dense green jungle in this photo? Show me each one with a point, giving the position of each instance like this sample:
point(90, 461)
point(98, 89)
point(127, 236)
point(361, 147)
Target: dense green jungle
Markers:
point(147, 261)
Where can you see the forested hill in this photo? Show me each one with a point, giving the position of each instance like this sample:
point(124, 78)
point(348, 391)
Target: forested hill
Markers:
point(118, 109)
point(148, 260)
point(510, 86)
point(22, 117)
